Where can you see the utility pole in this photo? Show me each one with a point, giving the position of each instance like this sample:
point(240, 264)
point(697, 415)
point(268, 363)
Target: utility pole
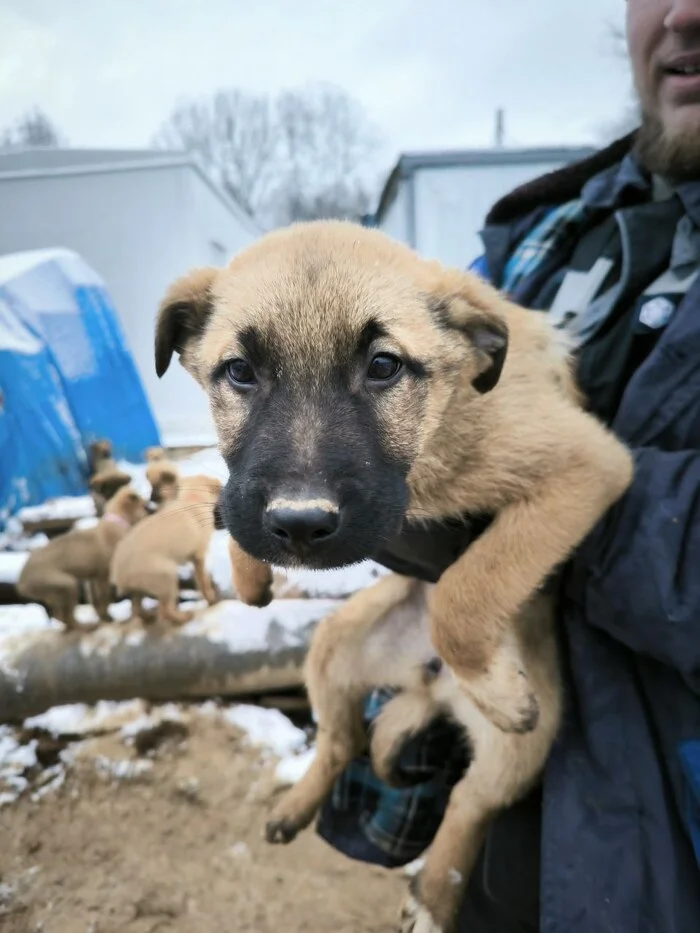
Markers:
point(500, 127)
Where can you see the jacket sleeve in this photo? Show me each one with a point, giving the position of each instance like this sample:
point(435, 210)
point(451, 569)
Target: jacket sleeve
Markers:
point(638, 572)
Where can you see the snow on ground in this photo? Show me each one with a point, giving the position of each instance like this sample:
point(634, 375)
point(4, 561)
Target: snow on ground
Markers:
point(62, 507)
point(77, 724)
point(79, 719)
point(267, 728)
point(11, 564)
point(292, 768)
point(15, 760)
point(245, 629)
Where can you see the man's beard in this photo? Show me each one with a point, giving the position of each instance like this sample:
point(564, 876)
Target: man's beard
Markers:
point(676, 158)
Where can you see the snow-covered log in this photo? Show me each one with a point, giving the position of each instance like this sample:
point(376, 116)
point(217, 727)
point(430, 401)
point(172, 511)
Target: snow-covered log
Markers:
point(230, 649)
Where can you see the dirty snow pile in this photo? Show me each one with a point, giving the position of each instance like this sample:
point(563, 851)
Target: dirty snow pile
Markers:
point(35, 758)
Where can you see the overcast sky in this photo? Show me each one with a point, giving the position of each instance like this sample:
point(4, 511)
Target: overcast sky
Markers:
point(430, 73)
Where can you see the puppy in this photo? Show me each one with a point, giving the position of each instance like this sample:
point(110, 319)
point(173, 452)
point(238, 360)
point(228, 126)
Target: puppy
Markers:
point(162, 475)
point(356, 387)
point(100, 459)
point(52, 574)
point(104, 485)
point(146, 561)
point(381, 636)
point(105, 477)
point(154, 454)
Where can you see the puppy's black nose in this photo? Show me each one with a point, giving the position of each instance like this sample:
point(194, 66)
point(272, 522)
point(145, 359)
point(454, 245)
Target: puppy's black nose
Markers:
point(301, 526)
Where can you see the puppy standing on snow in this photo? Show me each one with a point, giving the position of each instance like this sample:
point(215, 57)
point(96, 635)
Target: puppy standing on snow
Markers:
point(356, 389)
point(146, 562)
point(52, 573)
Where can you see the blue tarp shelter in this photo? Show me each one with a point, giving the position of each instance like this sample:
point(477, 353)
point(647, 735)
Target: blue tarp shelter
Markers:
point(66, 378)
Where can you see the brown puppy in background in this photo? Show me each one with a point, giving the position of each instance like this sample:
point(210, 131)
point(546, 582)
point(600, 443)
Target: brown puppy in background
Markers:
point(52, 573)
point(100, 459)
point(355, 385)
point(105, 485)
point(105, 476)
point(147, 561)
point(162, 475)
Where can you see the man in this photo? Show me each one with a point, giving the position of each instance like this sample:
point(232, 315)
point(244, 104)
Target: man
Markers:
point(611, 247)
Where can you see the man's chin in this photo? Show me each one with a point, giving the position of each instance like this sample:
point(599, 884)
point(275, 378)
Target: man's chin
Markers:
point(671, 148)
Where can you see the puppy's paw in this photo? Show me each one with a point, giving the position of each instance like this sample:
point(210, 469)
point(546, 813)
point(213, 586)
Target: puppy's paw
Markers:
point(281, 831)
point(257, 597)
point(510, 705)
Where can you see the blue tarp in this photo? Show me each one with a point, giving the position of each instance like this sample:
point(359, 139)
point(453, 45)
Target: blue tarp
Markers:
point(66, 378)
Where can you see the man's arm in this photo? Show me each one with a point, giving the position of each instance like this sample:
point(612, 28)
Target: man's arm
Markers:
point(639, 570)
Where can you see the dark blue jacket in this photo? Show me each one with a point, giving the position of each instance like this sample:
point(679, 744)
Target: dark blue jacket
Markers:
point(621, 817)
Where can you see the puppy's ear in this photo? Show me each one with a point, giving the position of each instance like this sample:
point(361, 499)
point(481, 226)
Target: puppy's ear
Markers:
point(472, 308)
point(182, 316)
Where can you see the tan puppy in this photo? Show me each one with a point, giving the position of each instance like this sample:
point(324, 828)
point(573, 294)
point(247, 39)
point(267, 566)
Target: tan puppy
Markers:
point(105, 476)
point(52, 573)
point(162, 475)
point(154, 454)
point(105, 485)
point(146, 562)
point(100, 459)
point(355, 386)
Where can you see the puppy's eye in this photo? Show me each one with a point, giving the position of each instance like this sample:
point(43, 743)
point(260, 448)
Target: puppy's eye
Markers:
point(240, 374)
point(383, 367)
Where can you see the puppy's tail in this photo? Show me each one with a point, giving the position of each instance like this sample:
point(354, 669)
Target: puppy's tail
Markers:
point(402, 717)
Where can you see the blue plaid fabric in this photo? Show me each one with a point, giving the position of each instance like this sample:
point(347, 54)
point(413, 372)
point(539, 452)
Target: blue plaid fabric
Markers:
point(371, 822)
point(559, 226)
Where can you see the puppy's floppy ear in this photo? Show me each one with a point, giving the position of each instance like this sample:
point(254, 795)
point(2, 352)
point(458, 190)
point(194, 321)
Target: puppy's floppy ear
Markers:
point(182, 315)
point(473, 309)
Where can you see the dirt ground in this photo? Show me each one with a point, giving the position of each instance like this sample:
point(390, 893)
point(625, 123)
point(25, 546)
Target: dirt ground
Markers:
point(176, 848)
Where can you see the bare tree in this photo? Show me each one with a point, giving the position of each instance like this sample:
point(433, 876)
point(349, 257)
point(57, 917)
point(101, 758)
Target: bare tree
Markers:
point(302, 155)
point(33, 129)
point(235, 137)
point(328, 147)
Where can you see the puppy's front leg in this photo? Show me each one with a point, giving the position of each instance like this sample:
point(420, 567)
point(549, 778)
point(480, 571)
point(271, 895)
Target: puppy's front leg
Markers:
point(476, 600)
point(252, 579)
point(100, 591)
point(337, 679)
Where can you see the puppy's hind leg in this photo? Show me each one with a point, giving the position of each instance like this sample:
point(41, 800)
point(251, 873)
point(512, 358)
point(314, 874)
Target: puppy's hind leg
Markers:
point(337, 678)
point(60, 592)
point(100, 591)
